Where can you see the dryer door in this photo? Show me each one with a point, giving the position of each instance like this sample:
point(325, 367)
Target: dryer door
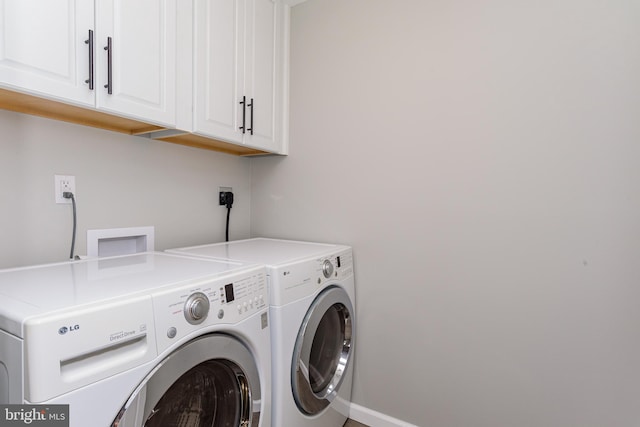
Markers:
point(212, 380)
point(323, 350)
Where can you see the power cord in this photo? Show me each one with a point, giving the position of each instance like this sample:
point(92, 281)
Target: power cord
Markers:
point(69, 195)
point(226, 198)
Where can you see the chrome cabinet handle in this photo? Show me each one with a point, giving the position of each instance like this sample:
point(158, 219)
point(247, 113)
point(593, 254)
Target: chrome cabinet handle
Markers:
point(109, 49)
point(89, 41)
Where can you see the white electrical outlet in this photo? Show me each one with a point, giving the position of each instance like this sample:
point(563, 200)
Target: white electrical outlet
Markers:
point(64, 183)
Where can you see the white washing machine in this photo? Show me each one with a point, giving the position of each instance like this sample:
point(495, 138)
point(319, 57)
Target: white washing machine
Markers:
point(150, 339)
point(312, 325)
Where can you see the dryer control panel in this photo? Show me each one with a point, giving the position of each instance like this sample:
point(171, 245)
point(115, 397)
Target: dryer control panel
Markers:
point(202, 304)
point(302, 278)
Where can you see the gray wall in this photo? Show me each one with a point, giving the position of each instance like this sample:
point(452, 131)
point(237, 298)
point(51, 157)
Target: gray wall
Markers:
point(483, 160)
point(121, 181)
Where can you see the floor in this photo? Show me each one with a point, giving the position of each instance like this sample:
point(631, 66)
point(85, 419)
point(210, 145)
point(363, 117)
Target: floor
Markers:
point(351, 423)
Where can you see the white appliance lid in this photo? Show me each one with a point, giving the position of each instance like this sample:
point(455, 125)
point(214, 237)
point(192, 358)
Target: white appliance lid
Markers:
point(30, 291)
point(271, 252)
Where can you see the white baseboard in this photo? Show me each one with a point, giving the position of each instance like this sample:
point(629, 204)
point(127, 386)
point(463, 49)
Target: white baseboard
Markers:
point(373, 418)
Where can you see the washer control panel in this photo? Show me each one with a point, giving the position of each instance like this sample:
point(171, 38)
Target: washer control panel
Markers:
point(179, 311)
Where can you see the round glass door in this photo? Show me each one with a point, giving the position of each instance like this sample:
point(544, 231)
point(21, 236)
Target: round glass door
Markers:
point(209, 394)
point(322, 351)
point(212, 381)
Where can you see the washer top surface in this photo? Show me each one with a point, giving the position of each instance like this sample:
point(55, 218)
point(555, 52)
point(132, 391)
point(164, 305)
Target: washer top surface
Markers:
point(34, 290)
point(271, 252)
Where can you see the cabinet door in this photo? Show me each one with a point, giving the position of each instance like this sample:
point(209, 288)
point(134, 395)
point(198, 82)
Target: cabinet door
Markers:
point(43, 49)
point(264, 57)
point(219, 47)
point(142, 69)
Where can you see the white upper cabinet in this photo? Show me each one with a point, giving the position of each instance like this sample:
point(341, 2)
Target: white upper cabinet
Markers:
point(219, 50)
point(136, 58)
point(238, 66)
point(263, 75)
point(57, 49)
point(205, 73)
point(44, 47)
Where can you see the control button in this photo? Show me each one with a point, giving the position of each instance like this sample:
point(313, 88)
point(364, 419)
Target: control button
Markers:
point(172, 332)
point(220, 314)
point(327, 268)
point(196, 309)
point(246, 308)
point(239, 309)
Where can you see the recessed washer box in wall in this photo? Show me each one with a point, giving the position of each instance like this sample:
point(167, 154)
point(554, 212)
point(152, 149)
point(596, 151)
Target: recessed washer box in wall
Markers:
point(120, 241)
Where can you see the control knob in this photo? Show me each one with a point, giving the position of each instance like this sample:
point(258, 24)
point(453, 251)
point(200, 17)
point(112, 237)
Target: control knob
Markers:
point(327, 268)
point(196, 308)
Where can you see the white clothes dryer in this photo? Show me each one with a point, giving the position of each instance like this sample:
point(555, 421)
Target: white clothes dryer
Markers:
point(312, 325)
point(150, 339)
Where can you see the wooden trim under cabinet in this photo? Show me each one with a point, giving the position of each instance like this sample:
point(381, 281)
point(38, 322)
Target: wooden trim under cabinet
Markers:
point(198, 141)
point(29, 104)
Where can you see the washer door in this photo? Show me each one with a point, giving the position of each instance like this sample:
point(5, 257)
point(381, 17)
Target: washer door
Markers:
point(322, 351)
point(210, 381)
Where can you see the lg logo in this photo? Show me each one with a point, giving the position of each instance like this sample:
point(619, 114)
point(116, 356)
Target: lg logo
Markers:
point(65, 329)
